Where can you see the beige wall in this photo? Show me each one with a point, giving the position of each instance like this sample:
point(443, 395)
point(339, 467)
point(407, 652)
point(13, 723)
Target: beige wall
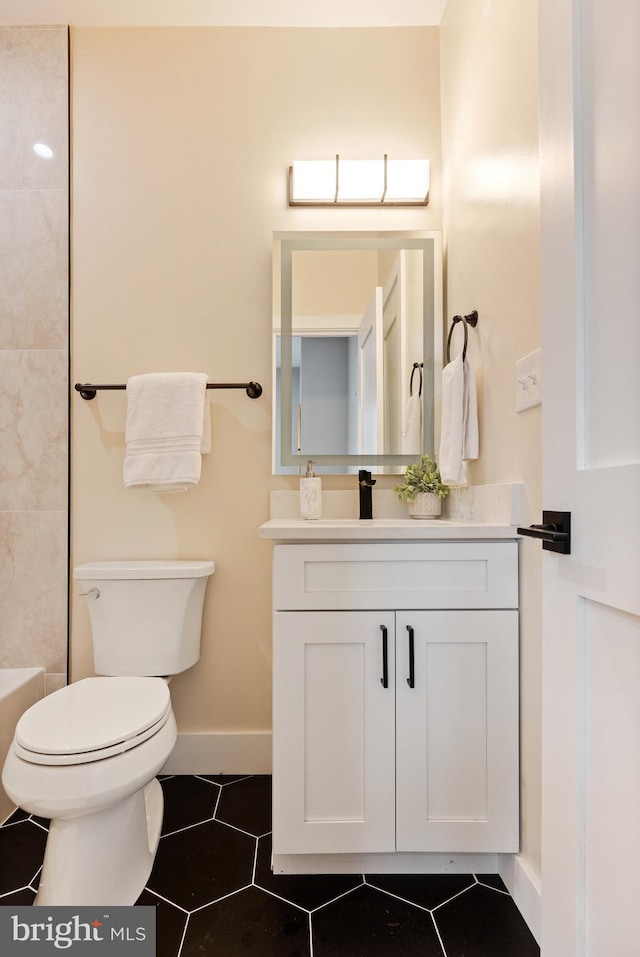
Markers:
point(181, 142)
point(490, 161)
point(34, 323)
point(329, 282)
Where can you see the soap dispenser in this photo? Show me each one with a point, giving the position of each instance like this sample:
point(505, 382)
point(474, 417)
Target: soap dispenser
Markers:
point(310, 494)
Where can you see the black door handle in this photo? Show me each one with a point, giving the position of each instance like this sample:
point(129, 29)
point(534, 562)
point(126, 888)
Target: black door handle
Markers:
point(411, 680)
point(384, 681)
point(555, 532)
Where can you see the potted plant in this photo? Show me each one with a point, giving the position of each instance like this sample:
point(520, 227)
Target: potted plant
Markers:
point(422, 489)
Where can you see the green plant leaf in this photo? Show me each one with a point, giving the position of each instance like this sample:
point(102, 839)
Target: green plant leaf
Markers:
point(422, 476)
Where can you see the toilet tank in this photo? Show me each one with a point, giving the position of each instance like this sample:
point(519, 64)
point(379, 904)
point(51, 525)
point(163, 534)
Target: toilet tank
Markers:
point(146, 616)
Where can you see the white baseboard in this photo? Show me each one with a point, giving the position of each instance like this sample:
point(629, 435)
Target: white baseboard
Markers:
point(226, 752)
point(524, 888)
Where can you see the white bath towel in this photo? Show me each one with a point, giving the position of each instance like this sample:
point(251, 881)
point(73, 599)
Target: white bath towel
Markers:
point(459, 442)
point(168, 429)
point(412, 427)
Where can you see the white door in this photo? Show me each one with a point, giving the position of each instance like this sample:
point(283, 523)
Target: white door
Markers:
point(370, 364)
point(394, 363)
point(333, 732)
point(457, 731)
point(590, 229)
point(403, 334)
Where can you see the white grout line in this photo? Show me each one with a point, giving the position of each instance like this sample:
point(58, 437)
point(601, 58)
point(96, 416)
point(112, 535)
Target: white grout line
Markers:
point(166, 900)
point(490, 887)
point(449, 899)
point(339, 897)
point(209, 820)
point(255, 862)
point(215, 810)
point(226, 783)
point(25, 887)
point(397, 897)
point(438, 933)
point(33, 879)
point(187, 827)
point(283, 900)
point(41, 826)
point(218, 899)
point(239, 829)
point(310, 937)
point(184, 934)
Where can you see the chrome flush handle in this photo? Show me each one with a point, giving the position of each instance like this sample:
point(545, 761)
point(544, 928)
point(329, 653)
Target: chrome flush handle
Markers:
point(92, 593)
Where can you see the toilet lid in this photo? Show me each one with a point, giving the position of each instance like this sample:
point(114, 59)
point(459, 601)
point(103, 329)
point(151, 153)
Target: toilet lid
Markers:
point(91, 719)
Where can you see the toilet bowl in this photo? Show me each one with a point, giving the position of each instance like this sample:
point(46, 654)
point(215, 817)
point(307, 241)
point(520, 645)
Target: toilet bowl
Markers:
point(87, 755)
point(95, 779)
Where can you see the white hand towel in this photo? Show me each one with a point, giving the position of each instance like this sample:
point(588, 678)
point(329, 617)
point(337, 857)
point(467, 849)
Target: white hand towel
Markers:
point(459, 428)
point(471, 448)
point(166, 431)
point(412, 431)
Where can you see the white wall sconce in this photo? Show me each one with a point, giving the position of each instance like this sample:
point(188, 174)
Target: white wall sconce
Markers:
point(338, 182)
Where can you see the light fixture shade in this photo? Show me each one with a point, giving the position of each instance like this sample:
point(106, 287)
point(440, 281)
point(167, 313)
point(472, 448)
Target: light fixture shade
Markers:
point(341, 182)
point(407, 181)
point(312, 181)
point(360, 181)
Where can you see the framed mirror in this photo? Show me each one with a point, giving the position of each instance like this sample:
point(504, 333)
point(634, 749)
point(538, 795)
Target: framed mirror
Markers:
point(357, 327)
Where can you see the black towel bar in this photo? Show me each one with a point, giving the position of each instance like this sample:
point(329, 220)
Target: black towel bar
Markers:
point(88, 390)
point(470, 320)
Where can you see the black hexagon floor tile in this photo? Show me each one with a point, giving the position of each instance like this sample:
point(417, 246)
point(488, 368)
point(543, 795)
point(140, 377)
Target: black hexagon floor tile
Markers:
point(426, 890)
point(21, 852)
point(201, 864)
point(208, 901)
point(187, 800)
point(368, 923)
point(250, 922)
point(483, 923)
point(306, 890)
point(170, 924)
point(247, 804)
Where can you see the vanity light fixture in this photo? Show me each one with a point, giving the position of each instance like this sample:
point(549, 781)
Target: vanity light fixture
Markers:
point(339, 182)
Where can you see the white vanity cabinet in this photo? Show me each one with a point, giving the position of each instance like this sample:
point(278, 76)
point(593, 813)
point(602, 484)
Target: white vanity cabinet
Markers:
point(395, 698)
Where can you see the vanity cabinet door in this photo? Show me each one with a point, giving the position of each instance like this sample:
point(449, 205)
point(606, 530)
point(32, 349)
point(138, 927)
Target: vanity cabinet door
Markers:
point(457, 731)
point(334, 740)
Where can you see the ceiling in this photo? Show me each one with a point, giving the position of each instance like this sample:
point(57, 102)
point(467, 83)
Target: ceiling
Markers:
point(268, 13)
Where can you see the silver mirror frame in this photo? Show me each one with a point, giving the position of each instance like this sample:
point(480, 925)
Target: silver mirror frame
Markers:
point(430, 243)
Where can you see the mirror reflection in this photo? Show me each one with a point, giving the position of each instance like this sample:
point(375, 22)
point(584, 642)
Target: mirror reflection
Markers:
point(355, 350)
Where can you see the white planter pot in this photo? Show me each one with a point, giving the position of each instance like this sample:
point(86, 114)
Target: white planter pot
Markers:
point(425, 505)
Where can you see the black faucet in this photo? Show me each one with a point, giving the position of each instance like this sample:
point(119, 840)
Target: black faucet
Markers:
point(365, 484)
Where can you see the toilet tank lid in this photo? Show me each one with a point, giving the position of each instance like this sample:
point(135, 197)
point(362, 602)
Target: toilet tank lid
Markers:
point(143, 570)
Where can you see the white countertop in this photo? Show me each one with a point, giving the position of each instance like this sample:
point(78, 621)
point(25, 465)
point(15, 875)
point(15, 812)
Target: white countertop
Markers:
point(382, 530)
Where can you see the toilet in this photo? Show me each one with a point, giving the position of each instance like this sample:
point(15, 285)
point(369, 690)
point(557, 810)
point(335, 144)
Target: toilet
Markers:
point(87, 755)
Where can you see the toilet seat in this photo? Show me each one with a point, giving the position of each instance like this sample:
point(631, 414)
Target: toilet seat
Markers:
point(92, 719)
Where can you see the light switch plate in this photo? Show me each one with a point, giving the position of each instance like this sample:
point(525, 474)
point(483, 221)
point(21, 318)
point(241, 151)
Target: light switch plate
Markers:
point(528, 391)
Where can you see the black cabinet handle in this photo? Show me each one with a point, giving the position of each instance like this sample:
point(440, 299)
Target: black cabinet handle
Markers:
point(555, 532)
point(384, 681)
point(411, 680)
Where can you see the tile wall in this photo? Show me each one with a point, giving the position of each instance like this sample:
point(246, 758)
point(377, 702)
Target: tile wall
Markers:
point(34, 348)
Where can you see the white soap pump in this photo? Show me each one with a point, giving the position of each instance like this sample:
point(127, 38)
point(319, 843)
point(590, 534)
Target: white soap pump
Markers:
point(310, 494)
